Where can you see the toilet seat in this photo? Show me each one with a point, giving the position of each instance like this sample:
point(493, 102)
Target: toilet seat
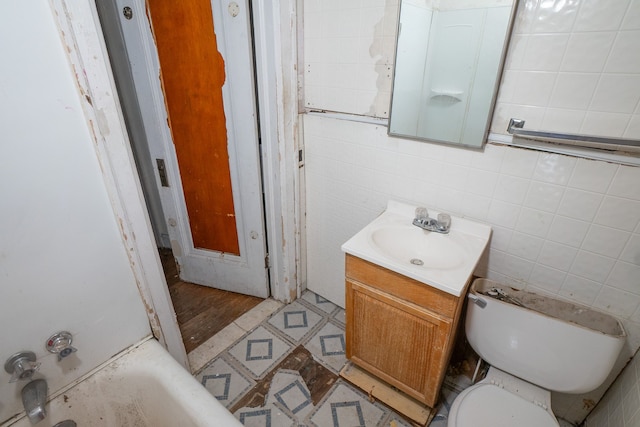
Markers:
point(488, 405)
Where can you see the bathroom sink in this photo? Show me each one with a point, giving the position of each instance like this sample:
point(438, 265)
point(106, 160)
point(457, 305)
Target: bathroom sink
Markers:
point(419, 247)
point(444, 261)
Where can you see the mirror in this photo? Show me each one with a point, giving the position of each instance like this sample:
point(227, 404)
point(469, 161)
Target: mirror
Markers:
point(449, 57)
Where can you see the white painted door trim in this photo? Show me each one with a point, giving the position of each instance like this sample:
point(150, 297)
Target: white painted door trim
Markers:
point(81, 34)
point(274, 26)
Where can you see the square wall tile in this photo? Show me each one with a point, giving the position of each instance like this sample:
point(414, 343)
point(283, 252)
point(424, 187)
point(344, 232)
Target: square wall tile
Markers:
point(592, 175)
point(624, 57)
point(490, 159)
point(525, 16)
point(580, 289)
point(574, 90)
point(547, 278)
point(568, 231)
point(625, 183)
point(476, 207)
point(516, 52)
point(631, 252)
point(534, 87)
point(581, 205)
point(557, 255)
point(616, 212)
point(588, 52)
point(563, 121)
point(481, 182)
point(592, 266)
point(504, 214)
point(500, 237)
point(631, 20)
point(605, 124)
point(617, 93)
point(517, 268)
point(511, 189)
point(598, 15)
point(557, 16)
point(525, 246)
point(554, 168)
point(617, 302)
point(633, 129)
point(544, 52)
point(543, 196)
point(534, 222)
point(605, 241)
point(625, 276)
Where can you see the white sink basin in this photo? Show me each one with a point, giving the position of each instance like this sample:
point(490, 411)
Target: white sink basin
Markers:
point(431, 250)
point(444, 261)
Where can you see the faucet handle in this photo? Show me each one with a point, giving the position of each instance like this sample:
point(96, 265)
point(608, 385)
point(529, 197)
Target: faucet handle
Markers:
point(21, 366)
point(60, 344)
point(444, 220)
point(422, 213)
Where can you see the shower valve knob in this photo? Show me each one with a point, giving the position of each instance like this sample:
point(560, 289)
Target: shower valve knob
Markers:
point(21, 366)
point(60, 344)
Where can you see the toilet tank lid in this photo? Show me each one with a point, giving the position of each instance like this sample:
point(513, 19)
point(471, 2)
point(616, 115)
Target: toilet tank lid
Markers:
point(552, 307)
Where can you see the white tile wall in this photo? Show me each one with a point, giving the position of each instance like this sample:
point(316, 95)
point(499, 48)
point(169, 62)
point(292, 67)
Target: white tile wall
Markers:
point(573, 67)
point(562, 225)
point(555, 215)
point(620, 407)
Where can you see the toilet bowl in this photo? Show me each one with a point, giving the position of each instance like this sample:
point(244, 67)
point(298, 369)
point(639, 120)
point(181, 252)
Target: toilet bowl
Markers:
point(501, 400)
point(534, 344)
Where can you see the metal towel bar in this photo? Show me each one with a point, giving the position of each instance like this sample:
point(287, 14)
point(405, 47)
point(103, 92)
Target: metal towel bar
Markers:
point(516, 128)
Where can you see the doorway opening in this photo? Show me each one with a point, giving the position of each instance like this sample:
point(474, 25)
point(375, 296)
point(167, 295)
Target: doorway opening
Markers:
point(201, 311)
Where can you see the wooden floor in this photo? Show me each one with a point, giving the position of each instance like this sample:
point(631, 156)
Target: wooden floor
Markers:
point(202, 311)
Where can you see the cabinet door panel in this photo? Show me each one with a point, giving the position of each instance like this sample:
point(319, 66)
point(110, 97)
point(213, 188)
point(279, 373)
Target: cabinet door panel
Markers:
point(401, 343)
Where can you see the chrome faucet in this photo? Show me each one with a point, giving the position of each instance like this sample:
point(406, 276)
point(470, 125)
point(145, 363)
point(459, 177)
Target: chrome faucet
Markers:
point(440, 225)
point(34, 398)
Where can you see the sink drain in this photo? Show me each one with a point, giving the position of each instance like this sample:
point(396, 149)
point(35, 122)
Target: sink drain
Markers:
point(416, 261)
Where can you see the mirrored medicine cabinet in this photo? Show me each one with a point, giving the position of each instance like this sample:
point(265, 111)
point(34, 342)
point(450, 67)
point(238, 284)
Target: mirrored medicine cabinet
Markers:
point(449, 58)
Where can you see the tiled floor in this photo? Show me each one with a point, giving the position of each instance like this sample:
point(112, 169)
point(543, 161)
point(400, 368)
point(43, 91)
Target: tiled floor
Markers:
point(284, 372)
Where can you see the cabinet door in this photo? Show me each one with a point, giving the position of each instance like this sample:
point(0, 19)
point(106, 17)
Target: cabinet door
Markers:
point(399, 342)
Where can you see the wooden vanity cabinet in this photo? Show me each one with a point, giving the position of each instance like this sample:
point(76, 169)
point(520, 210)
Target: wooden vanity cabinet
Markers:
point(398, 329)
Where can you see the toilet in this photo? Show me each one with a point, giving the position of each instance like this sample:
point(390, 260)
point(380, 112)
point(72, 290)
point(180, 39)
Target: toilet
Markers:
point(534, 344)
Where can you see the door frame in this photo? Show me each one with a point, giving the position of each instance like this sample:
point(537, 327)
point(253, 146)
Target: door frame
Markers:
point(275, 42)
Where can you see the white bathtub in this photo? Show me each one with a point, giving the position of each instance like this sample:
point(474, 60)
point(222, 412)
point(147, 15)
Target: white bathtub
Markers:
point(144, 386)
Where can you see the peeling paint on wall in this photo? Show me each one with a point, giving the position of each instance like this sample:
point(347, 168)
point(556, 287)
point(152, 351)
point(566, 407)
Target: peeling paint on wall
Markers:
point(348, 56)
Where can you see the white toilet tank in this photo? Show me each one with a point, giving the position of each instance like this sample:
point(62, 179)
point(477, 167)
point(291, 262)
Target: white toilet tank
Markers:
point(551, 343)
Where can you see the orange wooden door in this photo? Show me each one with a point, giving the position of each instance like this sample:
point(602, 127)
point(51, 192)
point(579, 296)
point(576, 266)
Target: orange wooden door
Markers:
point(192, 76)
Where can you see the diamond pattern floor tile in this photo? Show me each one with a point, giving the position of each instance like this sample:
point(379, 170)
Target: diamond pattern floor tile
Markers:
point(295, 321)
point(289, 392)
point(224, 382)
point(345, 407)
point(319, 302)
point(259, 351)
point(269, 416)
point(329, 345)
